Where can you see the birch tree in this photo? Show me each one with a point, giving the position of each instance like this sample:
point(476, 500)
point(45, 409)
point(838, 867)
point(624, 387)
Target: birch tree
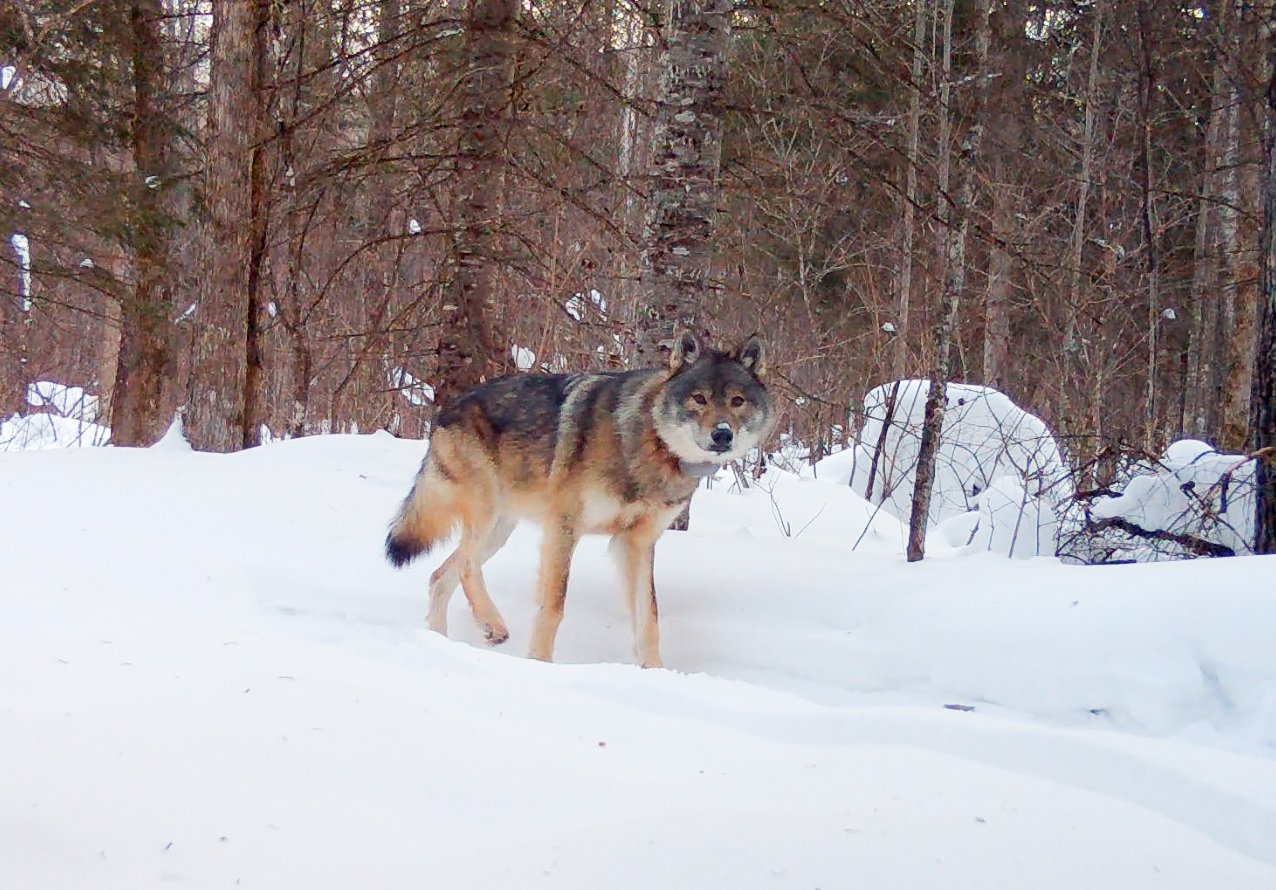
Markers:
point(687, 149)
point(468, 353)
point(957, 227)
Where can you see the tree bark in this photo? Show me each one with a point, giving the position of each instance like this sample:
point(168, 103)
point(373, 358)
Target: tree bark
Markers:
point(957, 227)
point(997, 296)
point(1263, 405)
point(1148, 221)
point(1244, 267)
point(1074, 347)
point(136, 403)
point(678, 249)
point(468, 352)
point(364, 394)
point(1203, 341)
point(215, 417)
point(1011, 59)
point(904, 285)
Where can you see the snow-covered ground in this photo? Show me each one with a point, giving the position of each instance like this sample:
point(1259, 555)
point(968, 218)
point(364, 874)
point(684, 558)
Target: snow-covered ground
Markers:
point(210, 677)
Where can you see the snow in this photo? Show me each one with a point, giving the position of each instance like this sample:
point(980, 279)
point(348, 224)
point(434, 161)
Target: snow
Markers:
point(524, 358)
point(66, 400)
point(576, 304)
point(22, 249)
point(211, 677)
point(66, 417)
point(995, 461)
point(417, 392)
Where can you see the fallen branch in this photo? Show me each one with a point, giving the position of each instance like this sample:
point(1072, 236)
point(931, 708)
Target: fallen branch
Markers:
point(1190, 543)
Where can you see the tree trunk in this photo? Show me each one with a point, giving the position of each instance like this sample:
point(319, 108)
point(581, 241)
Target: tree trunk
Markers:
point(1244, 267)
point(943, 148)
point(259, 201)
point(1263, 406)
point(136, 403)
point(1203, 342)
point(678, 247)
point(468, 352)
point(1147, 217)
point(997, 296)
point(1073, 347)
point(15, 323)
point(364, 394)
point(904, 286)
point(957, 227)
point(215, 399)
point(1008, 87)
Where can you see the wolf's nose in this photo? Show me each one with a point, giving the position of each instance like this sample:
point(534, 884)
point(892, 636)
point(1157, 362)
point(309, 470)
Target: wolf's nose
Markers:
point(722, 436)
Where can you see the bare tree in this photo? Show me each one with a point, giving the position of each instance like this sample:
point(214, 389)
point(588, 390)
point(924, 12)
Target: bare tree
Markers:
point(957, 227)
point(904, 285)
point(1249, 59)
point(1263, 405)
point(215, 410)
point(145, 318)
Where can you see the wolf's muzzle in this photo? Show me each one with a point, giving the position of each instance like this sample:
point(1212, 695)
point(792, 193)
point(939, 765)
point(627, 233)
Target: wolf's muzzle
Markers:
point(722, 436)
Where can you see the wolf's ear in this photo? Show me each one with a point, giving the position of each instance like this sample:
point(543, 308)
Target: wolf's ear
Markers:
point(686, 349)
point(752, 356)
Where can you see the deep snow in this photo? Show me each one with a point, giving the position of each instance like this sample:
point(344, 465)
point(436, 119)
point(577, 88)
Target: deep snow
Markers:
point(209, 676)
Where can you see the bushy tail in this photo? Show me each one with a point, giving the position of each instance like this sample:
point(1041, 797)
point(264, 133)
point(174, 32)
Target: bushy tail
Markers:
point(428, 516)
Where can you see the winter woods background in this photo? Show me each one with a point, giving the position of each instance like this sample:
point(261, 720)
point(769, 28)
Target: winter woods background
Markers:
point(289, 217)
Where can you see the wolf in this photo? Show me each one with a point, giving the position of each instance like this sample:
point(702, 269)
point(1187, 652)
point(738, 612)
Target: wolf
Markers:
point(615, 453)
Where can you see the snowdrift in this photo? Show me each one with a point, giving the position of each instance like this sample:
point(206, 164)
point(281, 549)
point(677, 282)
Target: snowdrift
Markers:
point(211, 677)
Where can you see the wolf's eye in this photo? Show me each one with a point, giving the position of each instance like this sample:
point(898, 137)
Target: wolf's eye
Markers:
point(699, 399)
point(737, 401)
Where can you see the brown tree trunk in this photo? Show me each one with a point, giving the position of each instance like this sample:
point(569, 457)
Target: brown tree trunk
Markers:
point(145, 314)
point(904, 285)
point(997, 297)
point(259, 207)
point(1148, 220)
point(958, 226)
point(1008, 87)
point(678, 248)
point(1203, 342)
point(15, 334)
point(1249, 76)
point(215, 415)
point(1263, 403)
point(468, 352)
point(364, 395)
point(1086, 443)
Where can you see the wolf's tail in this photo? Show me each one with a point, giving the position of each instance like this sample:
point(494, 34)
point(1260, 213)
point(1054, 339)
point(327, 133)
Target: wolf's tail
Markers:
point(428, 515)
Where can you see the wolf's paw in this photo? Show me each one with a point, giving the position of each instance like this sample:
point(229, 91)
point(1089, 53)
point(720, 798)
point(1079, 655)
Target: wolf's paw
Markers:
point(495, 635)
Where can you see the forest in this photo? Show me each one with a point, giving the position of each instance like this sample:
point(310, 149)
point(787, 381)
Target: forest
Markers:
point(280, 218)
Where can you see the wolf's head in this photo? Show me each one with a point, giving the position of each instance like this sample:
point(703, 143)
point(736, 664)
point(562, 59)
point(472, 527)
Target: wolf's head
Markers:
point(714, 407)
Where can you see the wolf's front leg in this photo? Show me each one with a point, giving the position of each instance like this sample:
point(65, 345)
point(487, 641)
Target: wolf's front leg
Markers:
point(551, 587)
point(637, 553)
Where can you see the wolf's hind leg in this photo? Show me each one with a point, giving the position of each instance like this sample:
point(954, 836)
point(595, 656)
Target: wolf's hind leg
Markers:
point(471, 574)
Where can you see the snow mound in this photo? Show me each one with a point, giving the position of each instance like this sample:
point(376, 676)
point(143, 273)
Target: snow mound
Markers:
point(999, 473)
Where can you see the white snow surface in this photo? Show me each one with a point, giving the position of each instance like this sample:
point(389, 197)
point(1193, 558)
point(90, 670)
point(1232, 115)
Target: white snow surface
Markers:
point(210, 677)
